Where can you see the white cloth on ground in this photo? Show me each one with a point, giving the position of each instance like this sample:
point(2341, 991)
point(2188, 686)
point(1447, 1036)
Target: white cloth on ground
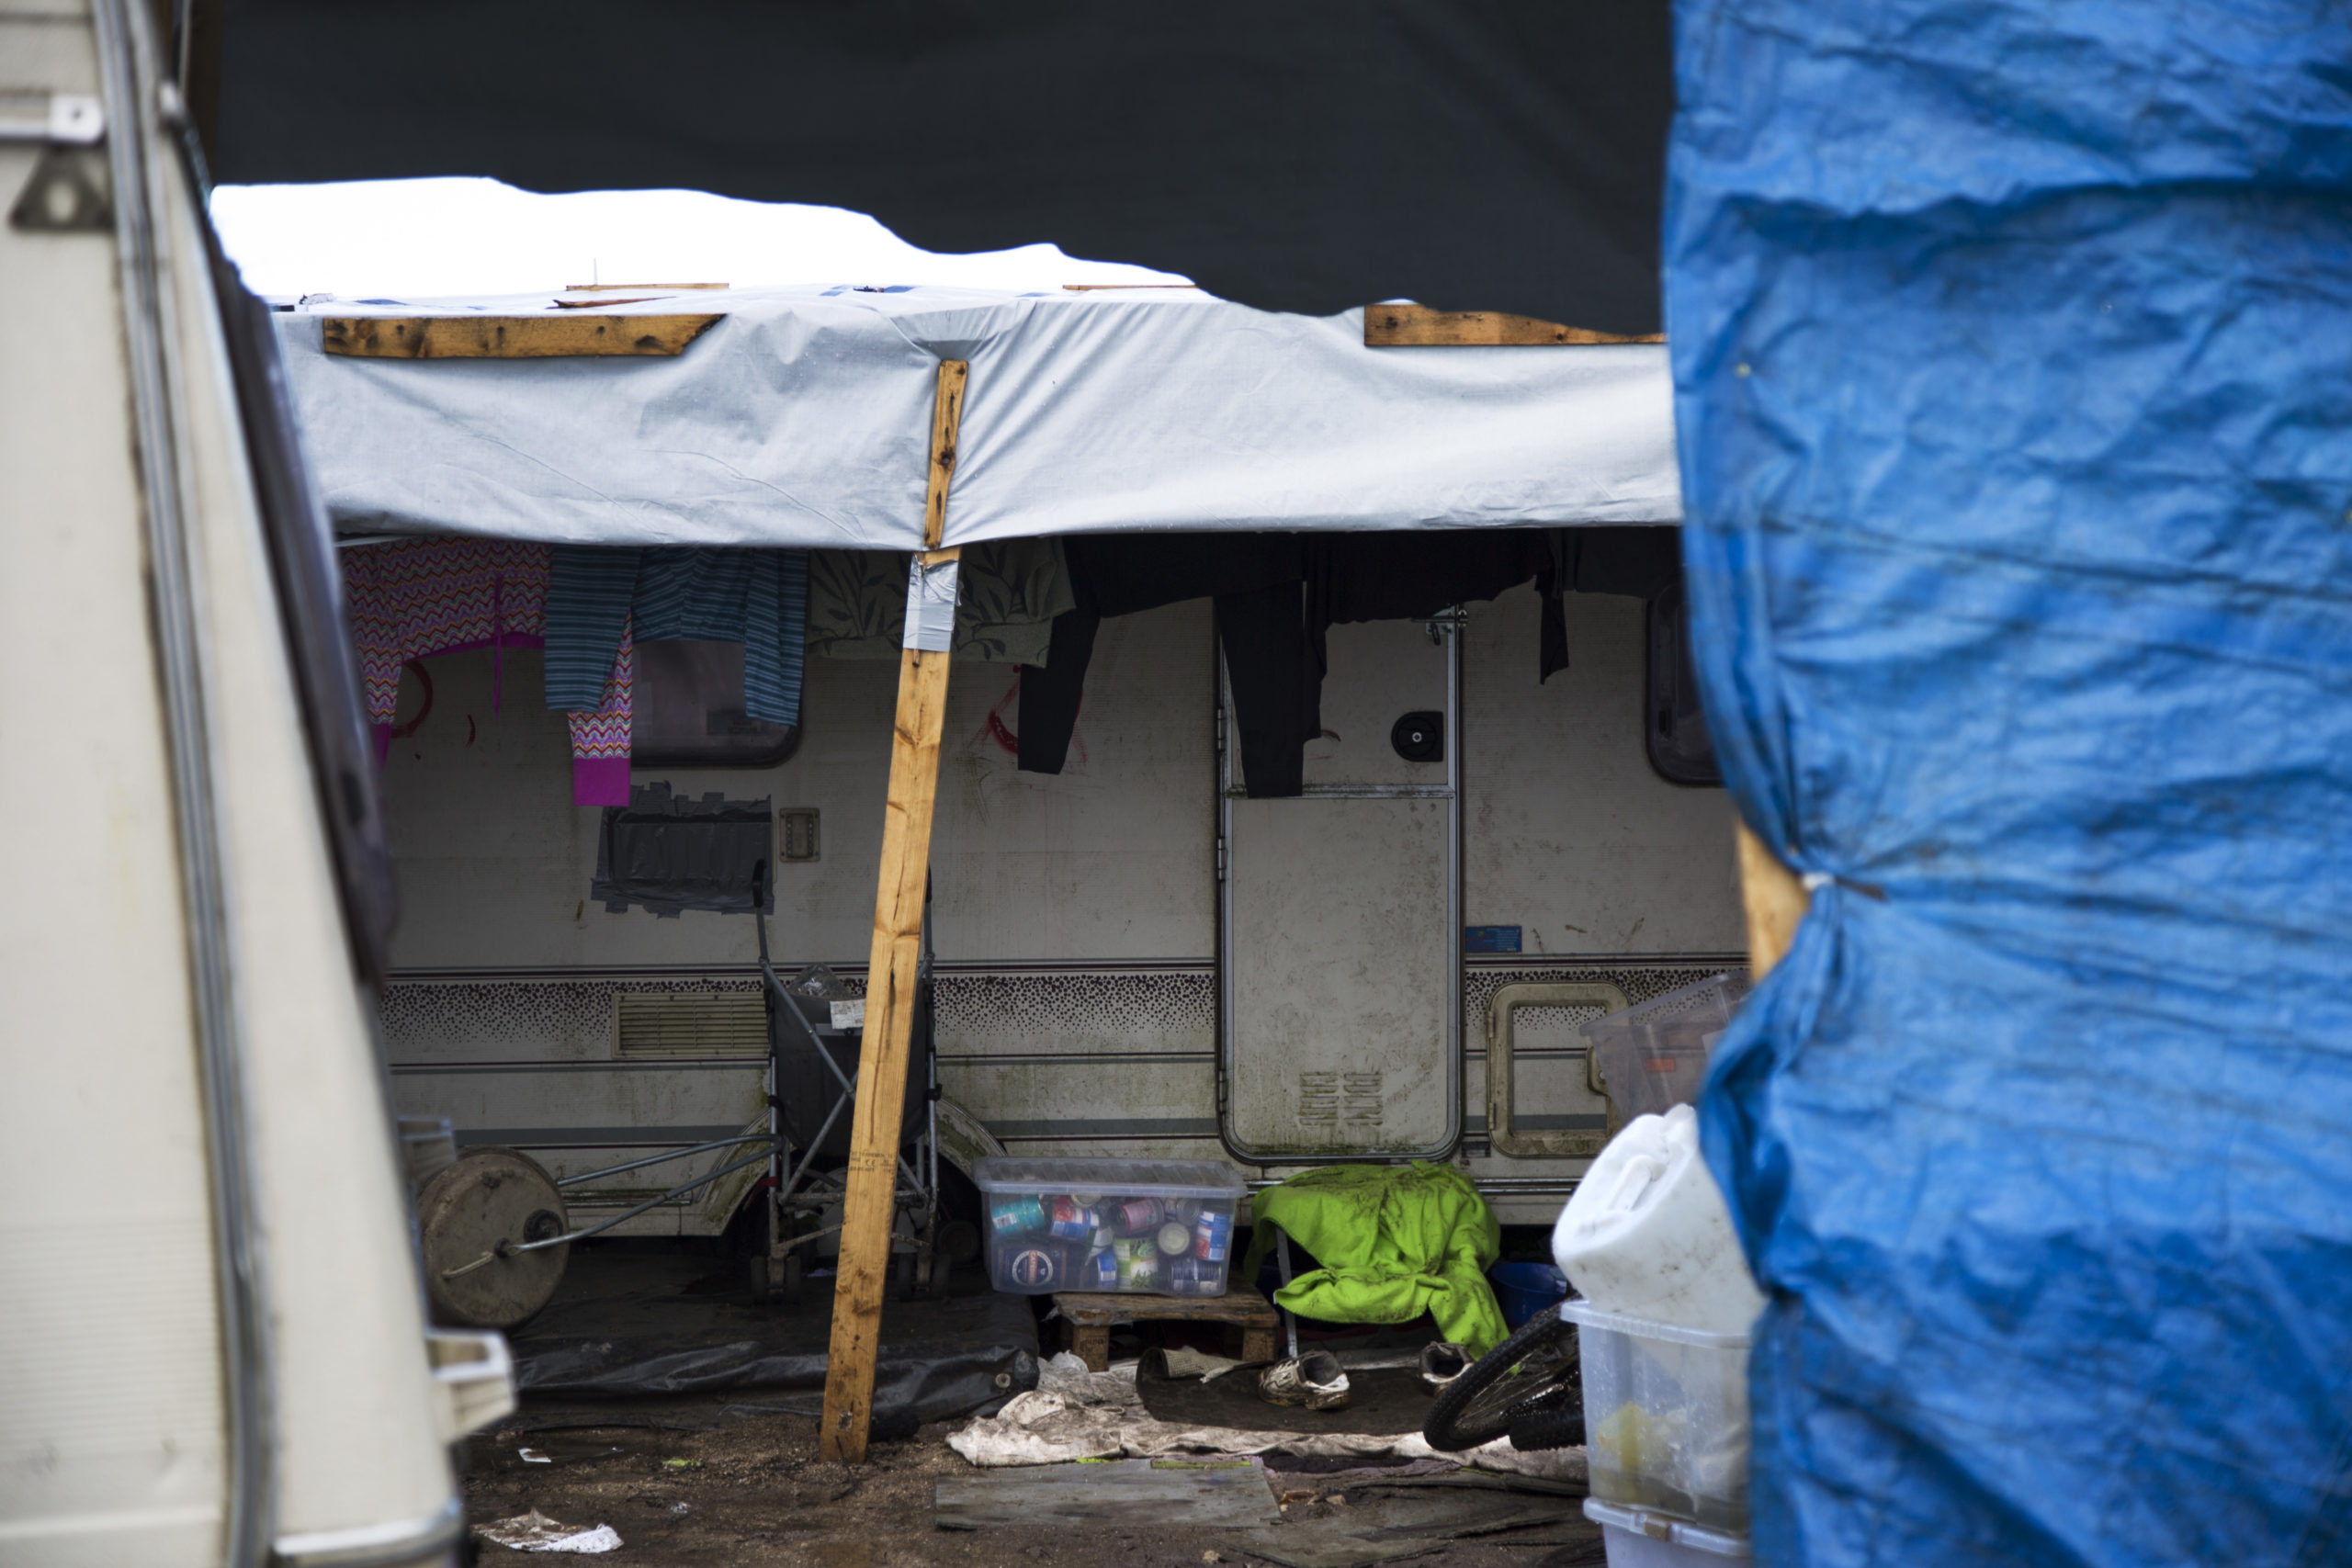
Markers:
point(1073, 1414)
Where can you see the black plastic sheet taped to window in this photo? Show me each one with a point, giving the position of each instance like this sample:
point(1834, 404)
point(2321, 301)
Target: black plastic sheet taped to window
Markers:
point(1314, 156)
point(666, 853)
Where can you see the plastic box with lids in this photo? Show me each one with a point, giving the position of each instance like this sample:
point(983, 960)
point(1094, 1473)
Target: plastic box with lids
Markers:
point(1652, 1056)
point(1665, 1415)
point(1161, 1228)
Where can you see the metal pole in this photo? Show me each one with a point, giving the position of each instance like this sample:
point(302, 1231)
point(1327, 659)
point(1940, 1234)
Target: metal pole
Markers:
point(664, 1158)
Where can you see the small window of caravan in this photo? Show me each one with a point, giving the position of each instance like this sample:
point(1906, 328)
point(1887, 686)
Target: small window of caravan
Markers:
point(689, 710)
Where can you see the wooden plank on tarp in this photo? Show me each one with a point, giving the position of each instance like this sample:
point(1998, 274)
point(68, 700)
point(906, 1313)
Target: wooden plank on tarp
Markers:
point(1417, 326)
point(863, 1275)
point(510, 337)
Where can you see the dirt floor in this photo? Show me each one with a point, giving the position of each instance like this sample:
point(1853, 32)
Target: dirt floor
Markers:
point(688, 1484)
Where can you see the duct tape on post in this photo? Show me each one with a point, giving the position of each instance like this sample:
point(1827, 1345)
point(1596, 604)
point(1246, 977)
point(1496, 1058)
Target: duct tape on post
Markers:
point(931, 604)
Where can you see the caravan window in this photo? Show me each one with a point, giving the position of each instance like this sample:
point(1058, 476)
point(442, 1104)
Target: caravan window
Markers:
point(689, 710)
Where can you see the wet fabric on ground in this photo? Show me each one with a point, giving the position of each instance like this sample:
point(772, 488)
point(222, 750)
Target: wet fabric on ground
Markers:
point(1392, 1242)
point(637, 1325)
point(1073, 1414)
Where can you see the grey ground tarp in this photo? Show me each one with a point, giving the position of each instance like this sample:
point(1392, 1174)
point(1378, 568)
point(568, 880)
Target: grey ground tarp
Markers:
point(2013, 349)
point(648, 1325)
point(804, 418)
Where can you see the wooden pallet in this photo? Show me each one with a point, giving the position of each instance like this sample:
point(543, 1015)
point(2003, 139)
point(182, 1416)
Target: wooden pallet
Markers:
point(1093, 1315)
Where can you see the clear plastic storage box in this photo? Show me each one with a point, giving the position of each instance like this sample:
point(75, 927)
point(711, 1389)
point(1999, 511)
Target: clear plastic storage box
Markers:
point(1160, 1228)
point(1634, 1537)
point(1665, 1417)
point(1651, 1057)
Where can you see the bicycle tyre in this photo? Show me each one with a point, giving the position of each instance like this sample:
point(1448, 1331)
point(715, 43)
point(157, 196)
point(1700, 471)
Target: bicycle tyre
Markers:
point(1533, 1370)
point(1541, 1429)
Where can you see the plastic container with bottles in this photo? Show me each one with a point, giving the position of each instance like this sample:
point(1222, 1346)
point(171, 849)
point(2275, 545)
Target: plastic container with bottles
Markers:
point(1137, 1227)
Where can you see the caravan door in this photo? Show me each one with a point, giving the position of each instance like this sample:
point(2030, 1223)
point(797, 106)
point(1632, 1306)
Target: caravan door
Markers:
point(1339, 977)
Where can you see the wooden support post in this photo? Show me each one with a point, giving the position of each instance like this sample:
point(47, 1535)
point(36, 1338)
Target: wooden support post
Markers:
point(1775, 899)
point(865, 1270)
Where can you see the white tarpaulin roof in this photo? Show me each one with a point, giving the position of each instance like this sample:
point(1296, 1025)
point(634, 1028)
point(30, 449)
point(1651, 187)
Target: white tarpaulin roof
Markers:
point(804, 418)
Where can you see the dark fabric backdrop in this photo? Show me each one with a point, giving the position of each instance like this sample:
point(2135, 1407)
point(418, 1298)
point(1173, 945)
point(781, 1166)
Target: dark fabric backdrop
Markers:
point(1311, 155)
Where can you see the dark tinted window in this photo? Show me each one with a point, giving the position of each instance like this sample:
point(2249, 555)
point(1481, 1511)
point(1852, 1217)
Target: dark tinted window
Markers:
point(688, 711)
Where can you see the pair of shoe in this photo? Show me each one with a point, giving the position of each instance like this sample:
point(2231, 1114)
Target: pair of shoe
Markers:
point(1316, 1381)
point(1313, 1380)
point(1441, 1363)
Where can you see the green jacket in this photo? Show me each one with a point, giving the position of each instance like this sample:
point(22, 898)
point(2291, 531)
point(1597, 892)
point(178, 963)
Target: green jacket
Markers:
point(1394, 1242)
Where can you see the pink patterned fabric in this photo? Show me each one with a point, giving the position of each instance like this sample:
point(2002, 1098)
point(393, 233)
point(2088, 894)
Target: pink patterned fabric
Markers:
point(420, 597)
point(416, 598)
point(600, 740)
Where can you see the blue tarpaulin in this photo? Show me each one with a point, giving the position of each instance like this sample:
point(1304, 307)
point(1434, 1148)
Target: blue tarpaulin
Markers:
point(2013, 355)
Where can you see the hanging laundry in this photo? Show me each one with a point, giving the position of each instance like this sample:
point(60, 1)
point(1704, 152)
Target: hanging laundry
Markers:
point(602, 601)
point(1277, 595)
point(416, 598)
point(756, 597)
point(1013, 590)
point(1253, 577)
point(420, 597)
point(601, 736)
point(1411, 576)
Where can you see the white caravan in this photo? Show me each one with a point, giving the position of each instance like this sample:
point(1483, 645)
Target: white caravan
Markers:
point(216, 1350)
point(1131, 957)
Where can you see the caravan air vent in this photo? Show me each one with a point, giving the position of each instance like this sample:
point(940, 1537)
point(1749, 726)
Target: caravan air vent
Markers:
point(690, 1023)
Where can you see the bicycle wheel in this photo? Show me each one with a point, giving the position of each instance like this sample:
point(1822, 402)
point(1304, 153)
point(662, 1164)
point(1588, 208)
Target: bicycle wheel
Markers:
point(1533, 1431)
point(1534, 1370)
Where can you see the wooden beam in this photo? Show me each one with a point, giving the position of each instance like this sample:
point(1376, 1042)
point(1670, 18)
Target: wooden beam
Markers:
point(510, 337)
point(946, 417)
point(1775, 902)
point(864, 1273)
point(1417, 326)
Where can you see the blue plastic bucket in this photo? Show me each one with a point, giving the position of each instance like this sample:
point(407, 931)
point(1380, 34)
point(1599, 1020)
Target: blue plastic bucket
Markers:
point(1522, 1290)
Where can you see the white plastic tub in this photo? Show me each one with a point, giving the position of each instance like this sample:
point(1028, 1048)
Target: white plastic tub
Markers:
point(1638, 1539)
point(1666, 1418)
point(1158, 1227)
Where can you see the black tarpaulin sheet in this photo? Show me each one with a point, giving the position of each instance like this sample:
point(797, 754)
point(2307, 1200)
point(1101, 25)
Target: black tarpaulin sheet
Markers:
point(1475, 154)
point(633, 1325)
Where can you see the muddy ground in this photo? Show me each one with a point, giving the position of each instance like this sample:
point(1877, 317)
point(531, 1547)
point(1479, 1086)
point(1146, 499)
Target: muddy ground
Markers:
point(688, 1485)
